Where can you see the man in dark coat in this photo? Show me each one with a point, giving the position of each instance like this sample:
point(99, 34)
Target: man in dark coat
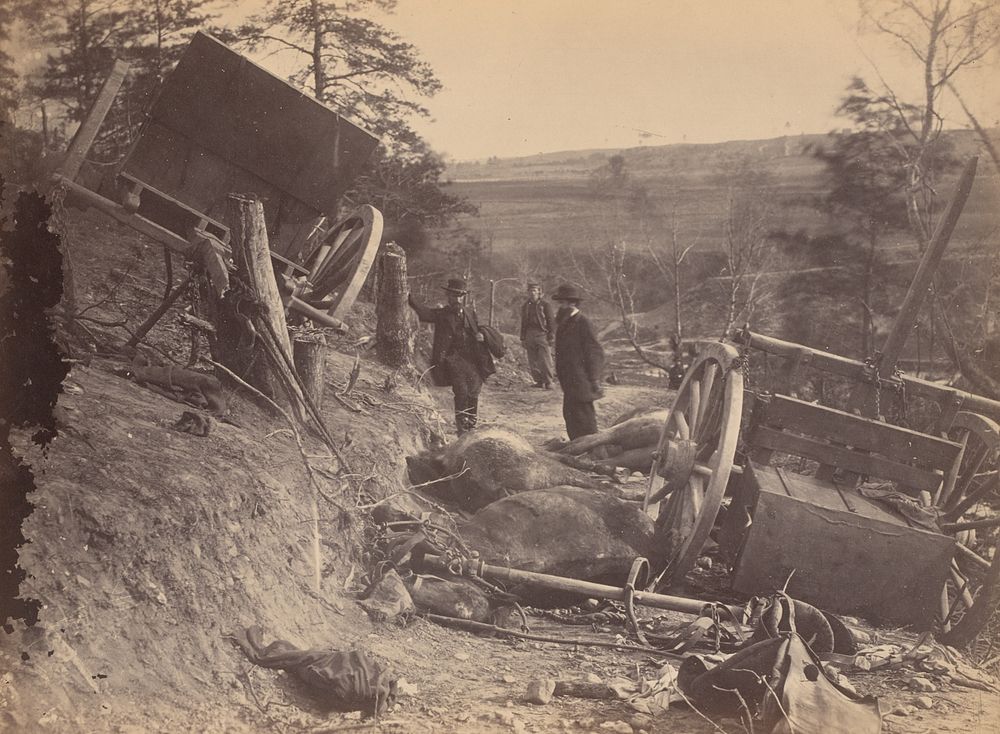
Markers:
point(579, 363)
point(538, 333)
point(458, 355)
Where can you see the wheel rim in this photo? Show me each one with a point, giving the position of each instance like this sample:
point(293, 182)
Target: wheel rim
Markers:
point(970, 589)
point(694, 459)
point(340, 264)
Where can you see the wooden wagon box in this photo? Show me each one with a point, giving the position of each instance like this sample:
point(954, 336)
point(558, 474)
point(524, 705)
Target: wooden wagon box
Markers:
point(223, 124)
point(848, 554)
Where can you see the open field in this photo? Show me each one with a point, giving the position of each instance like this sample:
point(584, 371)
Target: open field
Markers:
point(545, 200)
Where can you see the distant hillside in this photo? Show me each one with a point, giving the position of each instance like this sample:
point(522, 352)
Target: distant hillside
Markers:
point(544, 200)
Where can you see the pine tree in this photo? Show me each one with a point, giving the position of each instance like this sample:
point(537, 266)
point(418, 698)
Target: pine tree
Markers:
point(363, 69)
point(350, 62)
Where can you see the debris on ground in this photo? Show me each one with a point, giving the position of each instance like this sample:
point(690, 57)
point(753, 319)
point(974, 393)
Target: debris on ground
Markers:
point(342, 681)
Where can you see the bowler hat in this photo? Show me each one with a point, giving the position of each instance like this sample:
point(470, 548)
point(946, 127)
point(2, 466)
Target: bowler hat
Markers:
point(456, 285)
point(567, 292)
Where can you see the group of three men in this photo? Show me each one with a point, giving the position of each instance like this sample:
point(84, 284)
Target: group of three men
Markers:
point(460, 359)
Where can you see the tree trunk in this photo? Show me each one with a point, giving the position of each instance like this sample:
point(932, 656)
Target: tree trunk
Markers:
point(392, 332)
point(310, 364)
point(254, 299)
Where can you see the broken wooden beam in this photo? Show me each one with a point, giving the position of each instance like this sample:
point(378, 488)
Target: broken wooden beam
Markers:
point(82, 196)
point(923, 279)
point(856, 370)
point(87, 132)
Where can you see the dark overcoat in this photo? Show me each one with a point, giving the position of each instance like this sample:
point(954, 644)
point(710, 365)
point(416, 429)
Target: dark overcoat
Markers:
point(455, 330)
point(537, 316)
point(579, 358)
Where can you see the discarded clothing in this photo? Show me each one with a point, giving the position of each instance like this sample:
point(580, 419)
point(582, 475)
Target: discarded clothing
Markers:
point(904, 505)
point(343, 681)
point(648, 696)
point(781, 685)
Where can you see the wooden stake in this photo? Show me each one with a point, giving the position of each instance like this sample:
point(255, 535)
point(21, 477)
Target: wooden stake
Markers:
point(310, 364)
point(253, 261)
point(392, 332)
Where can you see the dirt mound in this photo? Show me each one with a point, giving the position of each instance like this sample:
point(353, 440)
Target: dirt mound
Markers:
point(147, 546)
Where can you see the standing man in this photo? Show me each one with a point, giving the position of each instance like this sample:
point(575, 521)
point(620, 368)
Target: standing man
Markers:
point(538, 333)
point(579, 363)
point(458, 356)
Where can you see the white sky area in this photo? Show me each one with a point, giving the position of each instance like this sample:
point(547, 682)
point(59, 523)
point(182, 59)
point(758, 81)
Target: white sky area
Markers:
point(529, 76)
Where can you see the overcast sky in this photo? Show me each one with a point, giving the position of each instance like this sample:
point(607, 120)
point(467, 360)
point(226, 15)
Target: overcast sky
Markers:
point(530, 76)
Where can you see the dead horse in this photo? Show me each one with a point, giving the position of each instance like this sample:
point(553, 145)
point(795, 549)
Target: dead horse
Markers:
point(487, 465)
point(564, 531)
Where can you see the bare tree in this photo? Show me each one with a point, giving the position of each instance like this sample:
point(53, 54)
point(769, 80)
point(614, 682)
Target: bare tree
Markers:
point(747, 245)
point(945, 36)
point(614, 258)
point(666, 248)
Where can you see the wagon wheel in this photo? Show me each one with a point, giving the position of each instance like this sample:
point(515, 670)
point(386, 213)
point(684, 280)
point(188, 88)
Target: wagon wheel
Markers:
point(969, 595)
point(340, 265)
point(694, 458)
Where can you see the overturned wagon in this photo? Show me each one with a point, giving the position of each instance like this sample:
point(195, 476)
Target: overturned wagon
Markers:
point(219, 125)
point(837, 506)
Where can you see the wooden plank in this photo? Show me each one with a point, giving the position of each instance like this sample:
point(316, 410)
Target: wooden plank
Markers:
point(251, 118)
point(87, 132)
point(899, 444)
point(842, 562)
point(202, 180)
point(921, 284)
point(222, 231)
point(869, 465)
point(855, 370)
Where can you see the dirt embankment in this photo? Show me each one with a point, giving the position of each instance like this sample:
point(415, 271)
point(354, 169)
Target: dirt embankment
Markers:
point(148, 545)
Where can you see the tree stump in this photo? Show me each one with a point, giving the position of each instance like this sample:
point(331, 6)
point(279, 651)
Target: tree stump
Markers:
point(310, 364)
point(392, 332)
point(246, 314)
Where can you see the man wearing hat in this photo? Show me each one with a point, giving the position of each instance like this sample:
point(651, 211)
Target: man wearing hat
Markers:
point(538, 333)
point(579, 363)
point(458, 357)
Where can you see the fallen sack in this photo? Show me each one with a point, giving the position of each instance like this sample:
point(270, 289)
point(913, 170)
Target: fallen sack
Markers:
point(781, 685)
point(342, 681)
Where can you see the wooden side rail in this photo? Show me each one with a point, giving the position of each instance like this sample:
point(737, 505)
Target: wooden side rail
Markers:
point(849, 442)
point(156, 199)
point(950, 399)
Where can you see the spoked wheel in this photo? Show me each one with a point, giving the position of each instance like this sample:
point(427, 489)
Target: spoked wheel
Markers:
point(340, 265)
point(970, 592)
point(694, 458)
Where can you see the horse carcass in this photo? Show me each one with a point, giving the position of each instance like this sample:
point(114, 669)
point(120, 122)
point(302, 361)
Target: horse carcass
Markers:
point(486, 465)
point(629, 443)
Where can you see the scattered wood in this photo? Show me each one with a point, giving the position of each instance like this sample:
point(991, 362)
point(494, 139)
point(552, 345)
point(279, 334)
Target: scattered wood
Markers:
point(169, 300)
point(194, 322)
